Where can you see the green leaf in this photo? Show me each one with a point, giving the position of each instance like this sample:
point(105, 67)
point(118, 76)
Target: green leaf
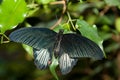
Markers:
point(113, 2)
point(105, 19)
point(28, 49)
point(53, 66)
point(90, 32)
point(12, 12)
point(65, 27)
point(44, 1)
point(117, 24)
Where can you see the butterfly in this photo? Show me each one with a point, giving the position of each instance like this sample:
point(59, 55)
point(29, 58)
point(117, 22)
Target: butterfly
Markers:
point(66, 47)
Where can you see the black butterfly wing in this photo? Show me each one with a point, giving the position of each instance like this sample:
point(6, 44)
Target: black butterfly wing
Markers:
point(41, 39)
point(66, 63)
point(78, 46)
point(34, 37)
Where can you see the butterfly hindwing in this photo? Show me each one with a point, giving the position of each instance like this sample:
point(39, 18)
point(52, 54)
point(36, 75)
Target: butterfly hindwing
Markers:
point(78, 46)
point(42, 57)
point(34, 37)
point(66, 63)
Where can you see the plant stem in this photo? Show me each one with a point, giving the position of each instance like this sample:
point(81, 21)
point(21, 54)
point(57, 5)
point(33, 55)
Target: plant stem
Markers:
point(70, 20)
point(3, 35)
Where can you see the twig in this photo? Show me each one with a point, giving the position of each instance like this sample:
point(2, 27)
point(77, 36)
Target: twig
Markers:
point(104, 10)
point(64, 9)
point(70, 20)
point(3, 35)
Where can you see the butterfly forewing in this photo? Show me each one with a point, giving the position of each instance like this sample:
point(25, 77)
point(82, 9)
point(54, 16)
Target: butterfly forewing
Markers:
point(78, 46)
point(35, 37)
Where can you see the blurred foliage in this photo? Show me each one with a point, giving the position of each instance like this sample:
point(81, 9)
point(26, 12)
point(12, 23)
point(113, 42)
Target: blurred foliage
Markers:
point(16, 64)
point(12, 12)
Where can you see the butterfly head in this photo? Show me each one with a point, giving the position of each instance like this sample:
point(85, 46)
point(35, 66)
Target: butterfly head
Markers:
point(60, 31)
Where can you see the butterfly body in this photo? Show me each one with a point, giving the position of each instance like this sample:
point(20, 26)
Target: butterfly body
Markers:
point(66, 47)
point(58, 43)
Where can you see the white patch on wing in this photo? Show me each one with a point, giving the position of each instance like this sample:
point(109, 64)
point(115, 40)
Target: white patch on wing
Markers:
point(42, 58)
point(66, 63)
